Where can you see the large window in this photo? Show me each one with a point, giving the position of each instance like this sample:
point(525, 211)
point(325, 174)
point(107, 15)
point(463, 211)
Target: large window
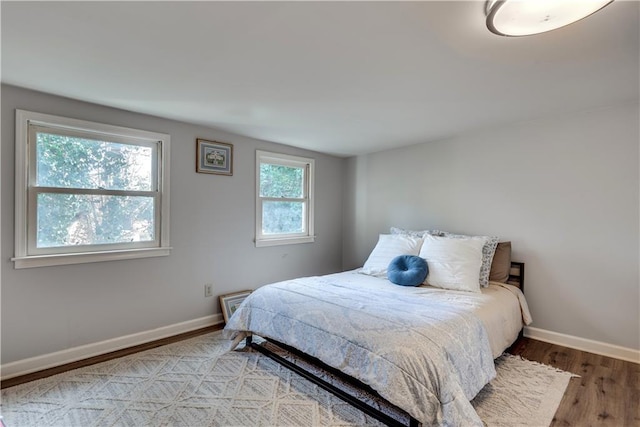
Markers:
point(284, 202)
point(88, 192)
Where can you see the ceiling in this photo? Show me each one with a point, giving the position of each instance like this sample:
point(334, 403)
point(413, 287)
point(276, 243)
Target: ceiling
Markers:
point(343, 78)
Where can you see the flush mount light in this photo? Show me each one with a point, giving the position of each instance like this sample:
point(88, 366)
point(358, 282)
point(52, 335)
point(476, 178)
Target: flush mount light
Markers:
point(526, 17)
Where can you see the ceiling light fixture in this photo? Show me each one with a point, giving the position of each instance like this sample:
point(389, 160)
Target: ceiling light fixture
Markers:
point(526, 17)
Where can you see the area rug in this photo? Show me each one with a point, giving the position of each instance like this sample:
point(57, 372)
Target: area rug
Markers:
point(196, 383)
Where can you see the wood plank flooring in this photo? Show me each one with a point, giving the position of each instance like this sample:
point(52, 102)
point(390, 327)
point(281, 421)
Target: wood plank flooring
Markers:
point(607, 393)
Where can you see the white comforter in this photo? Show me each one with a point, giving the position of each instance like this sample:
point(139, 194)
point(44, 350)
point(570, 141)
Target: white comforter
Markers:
point(422, 352)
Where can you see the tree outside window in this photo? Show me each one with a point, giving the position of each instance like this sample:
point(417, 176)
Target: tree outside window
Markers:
point(285, 199)
point(88, 192)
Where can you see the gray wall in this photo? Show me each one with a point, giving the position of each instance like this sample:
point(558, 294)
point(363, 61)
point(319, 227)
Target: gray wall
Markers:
point(212, 229)
point(564, 190)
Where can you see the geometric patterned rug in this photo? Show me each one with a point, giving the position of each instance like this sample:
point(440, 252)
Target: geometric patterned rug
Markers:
point(196, 383)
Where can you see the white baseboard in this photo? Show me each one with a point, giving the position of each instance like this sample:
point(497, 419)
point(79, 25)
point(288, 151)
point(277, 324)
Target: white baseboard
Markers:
point(46, 361)
point(597, 347)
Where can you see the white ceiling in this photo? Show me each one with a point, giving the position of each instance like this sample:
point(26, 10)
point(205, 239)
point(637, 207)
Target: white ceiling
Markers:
point(338, 77)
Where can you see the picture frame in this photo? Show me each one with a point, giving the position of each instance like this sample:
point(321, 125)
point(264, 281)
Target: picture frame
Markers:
point(214, 157)
point(230, 303)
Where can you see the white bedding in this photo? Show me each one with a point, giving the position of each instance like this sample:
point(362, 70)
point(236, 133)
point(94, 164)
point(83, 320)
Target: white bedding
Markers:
point(504, 311)
point(427, 350)
point(501, 307)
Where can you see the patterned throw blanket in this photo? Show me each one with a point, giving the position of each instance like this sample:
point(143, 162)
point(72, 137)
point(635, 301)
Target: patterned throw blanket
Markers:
point(424, 355)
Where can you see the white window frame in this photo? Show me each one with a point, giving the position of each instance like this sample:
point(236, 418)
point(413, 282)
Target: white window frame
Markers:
point(26, 253)
point(294, 161)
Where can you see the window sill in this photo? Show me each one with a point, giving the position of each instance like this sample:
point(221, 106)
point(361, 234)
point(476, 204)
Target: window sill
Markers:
point(284, 241)
point(86, 257)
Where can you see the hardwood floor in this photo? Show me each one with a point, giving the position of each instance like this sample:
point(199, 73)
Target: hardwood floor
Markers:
point(607, 393)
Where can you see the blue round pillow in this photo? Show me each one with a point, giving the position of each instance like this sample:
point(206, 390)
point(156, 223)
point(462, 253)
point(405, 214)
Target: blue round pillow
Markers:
point(407, 270)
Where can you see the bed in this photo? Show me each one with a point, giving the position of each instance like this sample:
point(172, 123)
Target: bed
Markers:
point(425, 349)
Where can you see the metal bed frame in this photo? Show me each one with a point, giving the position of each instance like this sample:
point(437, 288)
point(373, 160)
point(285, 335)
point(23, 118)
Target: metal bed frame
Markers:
point(516, 277)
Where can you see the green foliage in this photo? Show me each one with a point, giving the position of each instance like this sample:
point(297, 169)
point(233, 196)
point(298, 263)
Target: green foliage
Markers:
point(282, 217)
point(282, 182)
point(71, 162)
point(81, 219)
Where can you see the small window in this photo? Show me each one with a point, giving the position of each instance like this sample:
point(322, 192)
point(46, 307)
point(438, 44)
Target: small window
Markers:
point(88, 192)
point(284, 202)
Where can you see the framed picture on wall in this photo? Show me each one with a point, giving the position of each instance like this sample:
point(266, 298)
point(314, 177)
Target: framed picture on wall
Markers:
point(230, 303)
point(214, 157)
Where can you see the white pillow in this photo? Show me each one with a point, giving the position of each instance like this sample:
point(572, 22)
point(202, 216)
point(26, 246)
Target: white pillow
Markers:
point(488, 250)
point(388, 247)
point(454, 263)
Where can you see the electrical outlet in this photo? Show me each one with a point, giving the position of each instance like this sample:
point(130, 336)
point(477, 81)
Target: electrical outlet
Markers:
point(208, 290)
